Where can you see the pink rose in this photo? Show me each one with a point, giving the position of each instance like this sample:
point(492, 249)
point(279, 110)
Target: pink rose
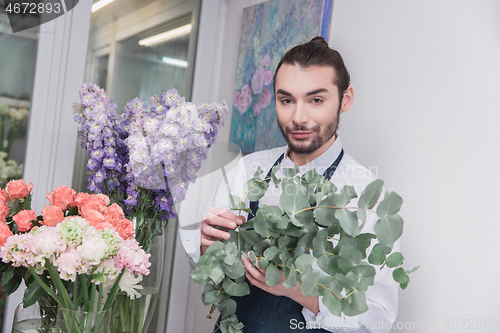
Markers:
point(257, 108)
point(18, 189)
point(23, 220)
point(62, 197)
point(52, 215)
point(245, 90)
point(258, 80)
point(4, 233)
point(237, 99)
point(266, 60)
point(3, 195)
point(268, 77)
point(245, 104)
point(4, 210)
point(266, 98)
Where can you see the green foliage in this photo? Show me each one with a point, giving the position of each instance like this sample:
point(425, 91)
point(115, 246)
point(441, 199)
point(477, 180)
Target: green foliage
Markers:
point(315, 223)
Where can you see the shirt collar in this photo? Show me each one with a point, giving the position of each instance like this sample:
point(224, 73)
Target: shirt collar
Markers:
point(320, 163)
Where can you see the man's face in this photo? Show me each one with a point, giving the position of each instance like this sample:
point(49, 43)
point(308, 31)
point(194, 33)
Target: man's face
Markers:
point(308, 107)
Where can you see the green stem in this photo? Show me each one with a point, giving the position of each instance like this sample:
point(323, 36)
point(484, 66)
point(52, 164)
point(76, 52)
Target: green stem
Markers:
point(46, 288)
point(331, 292)
point(93, 289)
point(113, 292)
point(85, 291)
point(132, 316)
point(54, 275)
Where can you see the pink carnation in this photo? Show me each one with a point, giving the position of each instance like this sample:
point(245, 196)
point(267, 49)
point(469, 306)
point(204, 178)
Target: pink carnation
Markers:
point(69, 264)
point(131, 257)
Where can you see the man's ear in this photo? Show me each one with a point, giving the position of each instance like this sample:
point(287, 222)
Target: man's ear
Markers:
point(347, 100)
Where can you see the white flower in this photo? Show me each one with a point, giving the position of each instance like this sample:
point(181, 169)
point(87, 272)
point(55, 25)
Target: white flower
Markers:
point(93, 248)
point(129, 283)
point(47, 243)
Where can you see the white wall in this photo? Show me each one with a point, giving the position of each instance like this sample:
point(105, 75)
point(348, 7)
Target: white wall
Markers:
point(426, 77)
point(426, 80)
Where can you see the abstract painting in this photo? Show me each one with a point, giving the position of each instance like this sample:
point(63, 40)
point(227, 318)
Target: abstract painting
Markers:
point(268, 30)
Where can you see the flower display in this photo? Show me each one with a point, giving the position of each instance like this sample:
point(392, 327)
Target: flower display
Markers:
point(80, 238)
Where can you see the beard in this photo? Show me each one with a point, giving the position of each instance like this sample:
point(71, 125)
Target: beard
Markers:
point(303, 148)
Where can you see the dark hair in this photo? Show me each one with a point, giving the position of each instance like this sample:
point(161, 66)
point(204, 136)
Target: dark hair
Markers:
point(316, 52)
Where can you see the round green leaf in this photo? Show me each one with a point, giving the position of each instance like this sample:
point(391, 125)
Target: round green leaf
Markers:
point(395, 259)
point(273, 275)
point(377, 257)
point(235, 289)
point(388, 229)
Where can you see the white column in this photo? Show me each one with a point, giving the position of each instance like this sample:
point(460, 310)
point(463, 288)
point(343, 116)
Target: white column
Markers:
point(51, 138)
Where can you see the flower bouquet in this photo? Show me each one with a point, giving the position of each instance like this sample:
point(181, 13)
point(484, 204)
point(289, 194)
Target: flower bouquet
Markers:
point(144, 160)
point(69, 253)
point(315, 223)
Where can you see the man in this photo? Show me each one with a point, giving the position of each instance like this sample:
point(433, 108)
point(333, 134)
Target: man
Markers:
point(312, 87)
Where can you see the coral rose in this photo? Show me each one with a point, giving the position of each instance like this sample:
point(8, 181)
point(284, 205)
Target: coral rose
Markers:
point(4, 233)
point(62, 197)
point(4, 210)
point(81, 198)
point(52, 216)
point(23, 219)
point(18, 189)
point(92, 216)
point(93, 204)
point(3, 195)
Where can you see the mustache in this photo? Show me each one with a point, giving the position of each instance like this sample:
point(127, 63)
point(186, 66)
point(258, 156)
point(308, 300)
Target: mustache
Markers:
point(303, 128)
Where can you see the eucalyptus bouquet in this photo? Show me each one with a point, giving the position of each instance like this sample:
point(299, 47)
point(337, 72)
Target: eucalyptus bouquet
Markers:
point(314, 223)
point(80, 250)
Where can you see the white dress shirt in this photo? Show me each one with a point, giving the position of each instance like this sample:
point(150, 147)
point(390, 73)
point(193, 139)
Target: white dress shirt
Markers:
point(382, 297)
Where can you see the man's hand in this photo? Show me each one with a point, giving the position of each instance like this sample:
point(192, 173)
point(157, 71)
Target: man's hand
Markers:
point(258, 278)
point(217, 217)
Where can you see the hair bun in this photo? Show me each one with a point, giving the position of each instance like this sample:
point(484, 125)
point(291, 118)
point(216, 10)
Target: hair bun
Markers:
point(319, 40)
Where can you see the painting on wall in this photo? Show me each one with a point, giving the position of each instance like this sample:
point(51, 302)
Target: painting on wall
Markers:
point(268, 30)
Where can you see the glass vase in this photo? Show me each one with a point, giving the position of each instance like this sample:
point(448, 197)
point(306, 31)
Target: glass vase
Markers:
point(79, 321)
point(32, 319)
point(134, 315)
